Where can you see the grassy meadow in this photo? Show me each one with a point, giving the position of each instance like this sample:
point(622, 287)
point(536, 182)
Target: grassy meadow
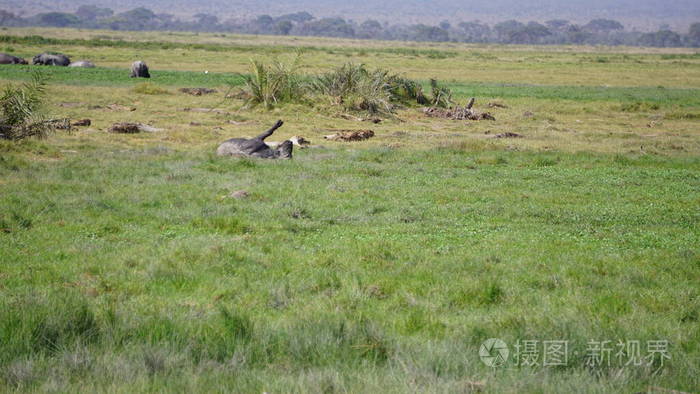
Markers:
point(374, 266)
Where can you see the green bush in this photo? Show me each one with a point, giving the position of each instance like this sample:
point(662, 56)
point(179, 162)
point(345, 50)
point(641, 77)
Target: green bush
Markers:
point(271, 84)
point(21, 107)
point(639, 106)
point(352, 86)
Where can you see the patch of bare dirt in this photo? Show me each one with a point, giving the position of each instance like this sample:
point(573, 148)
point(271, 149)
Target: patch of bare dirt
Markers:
point(113, 107)
point(70, 105)
point(131, 128)
point(207, 110)
point(360, 119)
point(239, 194)
point(240, 123)
point(197, 91)
point(350, 135)
point(240, 94)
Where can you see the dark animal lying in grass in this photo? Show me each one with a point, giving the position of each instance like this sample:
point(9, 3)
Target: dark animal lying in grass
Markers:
point(139, 70)
point(9, 59)
point(51, 59)
point(256, 147)
point(82, 63)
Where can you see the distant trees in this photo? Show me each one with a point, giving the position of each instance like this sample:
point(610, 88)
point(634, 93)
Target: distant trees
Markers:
point(475, 31)
point(694, 34)
point(206, 20)
point(9, 19)
point(514, 32)
point(603, 26)
point(555, 31)
point(91, 12)
point(297, 17)
point(369, 29)
point(661, 38)
point(283, 27)
point(532, 33)
point(429, 33)
point(328, 27)
point(58, 19)
point(136, 19)
point(506, 30)
point(558, 25)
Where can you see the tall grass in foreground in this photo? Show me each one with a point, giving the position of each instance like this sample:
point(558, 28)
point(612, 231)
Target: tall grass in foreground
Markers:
point(384, 271)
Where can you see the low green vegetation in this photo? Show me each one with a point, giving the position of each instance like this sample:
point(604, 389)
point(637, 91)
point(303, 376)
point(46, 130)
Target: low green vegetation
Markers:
point(120, 77)
point(128, 263)
point(250, 49)
point(351, 86)
point(365, 270)
point(149, 88)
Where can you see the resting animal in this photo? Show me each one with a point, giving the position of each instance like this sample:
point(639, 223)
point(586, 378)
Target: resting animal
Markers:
point(256, 147)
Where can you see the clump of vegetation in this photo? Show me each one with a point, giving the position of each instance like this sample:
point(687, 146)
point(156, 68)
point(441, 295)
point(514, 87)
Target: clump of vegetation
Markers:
point(353, 86)
point(356, 88)
point(441, 95)
point(149, 88)
point(268, 85)
point(375, 91)
point(22, 112)
point(639, 106)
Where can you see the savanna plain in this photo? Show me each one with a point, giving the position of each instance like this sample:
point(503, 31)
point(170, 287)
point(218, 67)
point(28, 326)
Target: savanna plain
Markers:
point(372, 266)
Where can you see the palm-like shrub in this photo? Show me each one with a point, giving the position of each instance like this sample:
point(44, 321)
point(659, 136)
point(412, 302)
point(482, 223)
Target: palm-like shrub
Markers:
point(339, 83)
point(21, 110)
point(268, 85)
point(353, 86)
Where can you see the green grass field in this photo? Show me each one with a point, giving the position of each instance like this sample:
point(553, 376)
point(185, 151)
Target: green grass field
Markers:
point(375, 266)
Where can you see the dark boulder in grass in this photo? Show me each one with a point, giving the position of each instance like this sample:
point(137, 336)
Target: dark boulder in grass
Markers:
point(51, 59)
point(139, 69)
point(256, 147)
point(9, 59)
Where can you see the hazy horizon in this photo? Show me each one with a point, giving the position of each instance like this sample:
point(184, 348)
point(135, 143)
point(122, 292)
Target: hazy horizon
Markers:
point(634, 14)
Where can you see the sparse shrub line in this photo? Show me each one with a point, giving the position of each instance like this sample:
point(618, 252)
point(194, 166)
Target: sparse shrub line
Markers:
point(351, 86)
